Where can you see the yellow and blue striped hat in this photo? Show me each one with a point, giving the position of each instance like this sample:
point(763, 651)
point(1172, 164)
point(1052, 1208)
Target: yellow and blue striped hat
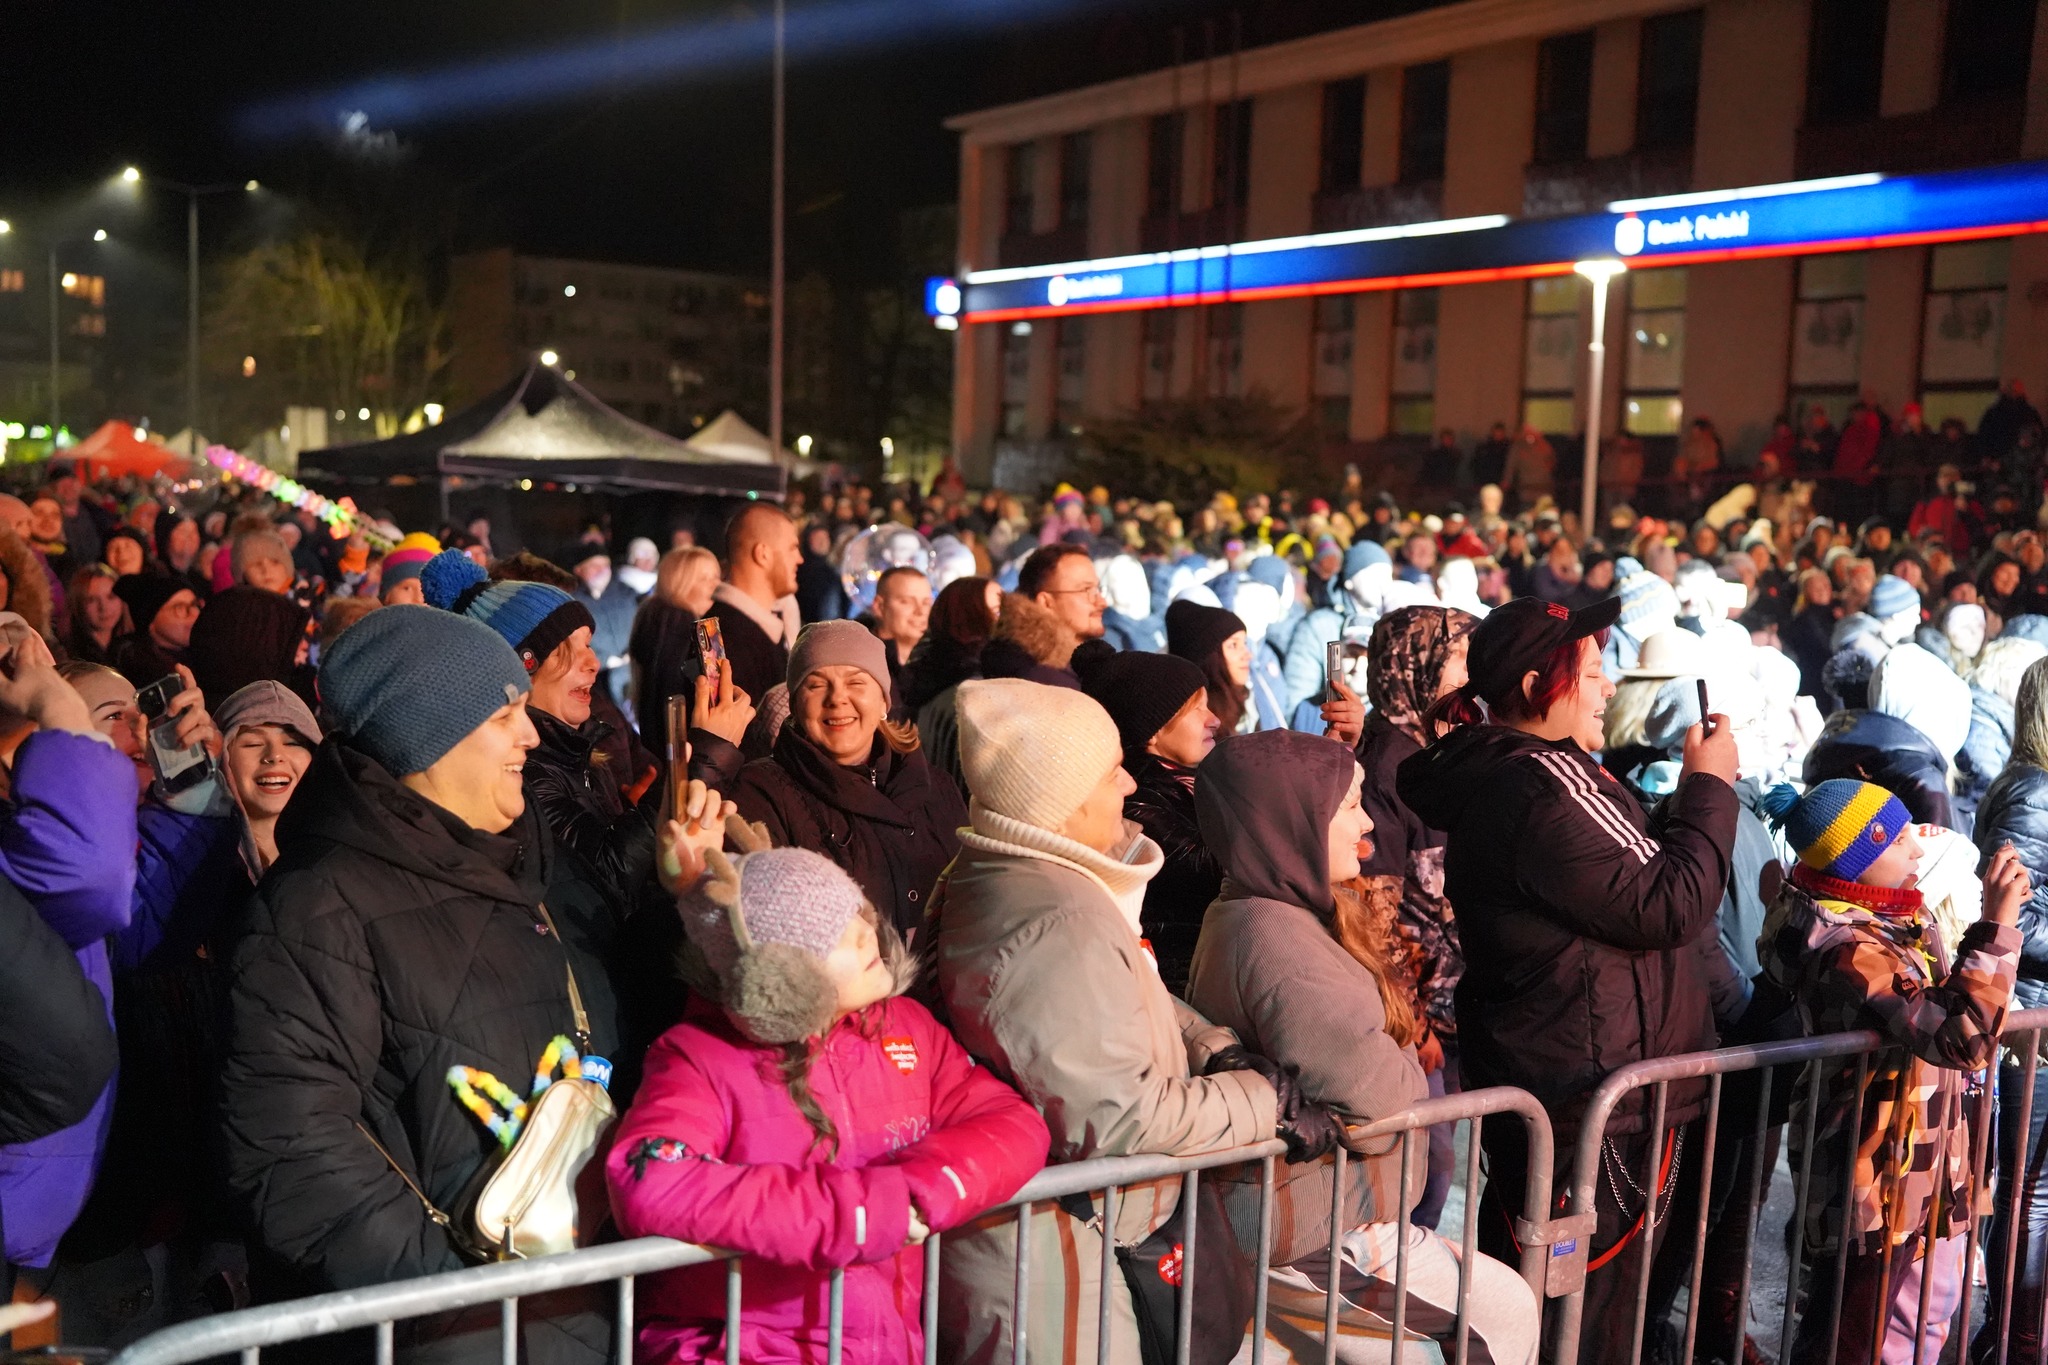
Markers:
point(1842, 826)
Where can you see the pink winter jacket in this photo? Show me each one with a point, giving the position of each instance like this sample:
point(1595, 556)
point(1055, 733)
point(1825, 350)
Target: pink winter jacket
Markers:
point(714, 1151)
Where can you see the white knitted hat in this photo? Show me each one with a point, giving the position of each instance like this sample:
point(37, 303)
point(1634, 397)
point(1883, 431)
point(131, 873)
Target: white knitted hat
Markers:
point(1033, 752)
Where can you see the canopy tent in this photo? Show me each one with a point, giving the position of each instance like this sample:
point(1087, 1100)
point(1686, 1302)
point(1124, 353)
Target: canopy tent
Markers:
point(117, 449)
point(543, 426)
point(730, 436)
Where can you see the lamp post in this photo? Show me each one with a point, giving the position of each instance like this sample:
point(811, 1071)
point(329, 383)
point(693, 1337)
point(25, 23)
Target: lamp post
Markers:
point(775, 242)
point(192, 195)
point(1601, 273)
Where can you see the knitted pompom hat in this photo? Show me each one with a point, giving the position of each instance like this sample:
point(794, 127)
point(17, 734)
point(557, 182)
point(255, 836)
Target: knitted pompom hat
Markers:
point(1030, 751)
point(764, 923)
point(1842, 826)
point(533, 618)
point(447, 575)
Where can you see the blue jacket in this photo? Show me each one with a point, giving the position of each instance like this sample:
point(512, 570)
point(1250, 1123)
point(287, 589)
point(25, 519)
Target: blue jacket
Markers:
point(67, 843)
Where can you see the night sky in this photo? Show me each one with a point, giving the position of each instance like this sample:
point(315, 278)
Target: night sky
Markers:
point(669, 171)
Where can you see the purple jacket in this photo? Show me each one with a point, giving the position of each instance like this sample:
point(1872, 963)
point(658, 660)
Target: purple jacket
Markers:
point(67, 843)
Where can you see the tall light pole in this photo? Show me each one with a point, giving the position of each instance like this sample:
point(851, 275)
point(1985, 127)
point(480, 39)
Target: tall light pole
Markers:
point(1601, 273)
point(192, 195)
point(775, 243)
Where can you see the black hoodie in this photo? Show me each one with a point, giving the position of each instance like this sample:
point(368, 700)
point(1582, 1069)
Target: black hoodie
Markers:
point(1575, 914)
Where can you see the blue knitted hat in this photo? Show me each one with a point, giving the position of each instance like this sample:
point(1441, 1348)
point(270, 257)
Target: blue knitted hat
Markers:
point(447, 575)
point(1363, 554)
point(1842, 826)
point(1891, 596)
point(406, 684)
point(533, 618)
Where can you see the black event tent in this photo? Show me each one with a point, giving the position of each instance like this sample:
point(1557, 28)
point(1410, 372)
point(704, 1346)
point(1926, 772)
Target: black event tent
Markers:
point(544, 427)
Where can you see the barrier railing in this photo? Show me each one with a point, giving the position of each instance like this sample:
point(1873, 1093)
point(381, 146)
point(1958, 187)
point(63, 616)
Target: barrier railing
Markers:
point(2022, 1036)
point(248, 1332)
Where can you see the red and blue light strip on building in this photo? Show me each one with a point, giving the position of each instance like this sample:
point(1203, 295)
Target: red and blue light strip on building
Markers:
point(1846, 213)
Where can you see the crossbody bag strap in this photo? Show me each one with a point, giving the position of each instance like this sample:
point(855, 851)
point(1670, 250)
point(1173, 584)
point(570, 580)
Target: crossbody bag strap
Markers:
point(411, 1184)
point(575, 995)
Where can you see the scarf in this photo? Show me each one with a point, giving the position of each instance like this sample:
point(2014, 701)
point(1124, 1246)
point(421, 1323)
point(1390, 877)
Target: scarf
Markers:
point(1122, 876)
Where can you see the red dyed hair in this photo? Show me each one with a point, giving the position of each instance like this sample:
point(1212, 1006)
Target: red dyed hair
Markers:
point(1555, 676)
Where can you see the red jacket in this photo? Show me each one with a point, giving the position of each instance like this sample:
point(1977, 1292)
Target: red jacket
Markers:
point(715, 1151)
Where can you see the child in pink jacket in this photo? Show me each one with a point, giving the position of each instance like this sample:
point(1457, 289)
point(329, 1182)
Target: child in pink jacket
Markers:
point(812, 1118)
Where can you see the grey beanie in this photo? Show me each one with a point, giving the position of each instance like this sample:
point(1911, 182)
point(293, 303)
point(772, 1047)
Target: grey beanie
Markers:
point(267, 702)
point(406, 684)
point(826, 643)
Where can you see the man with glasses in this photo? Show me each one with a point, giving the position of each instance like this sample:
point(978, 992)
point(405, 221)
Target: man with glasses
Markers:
point(1062, 579)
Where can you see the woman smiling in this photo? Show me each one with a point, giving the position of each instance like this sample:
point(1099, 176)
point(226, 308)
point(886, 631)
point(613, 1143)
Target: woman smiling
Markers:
point(847, 782)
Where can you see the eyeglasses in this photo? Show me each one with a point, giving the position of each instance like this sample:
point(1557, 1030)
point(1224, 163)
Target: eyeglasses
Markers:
point(1093, 590)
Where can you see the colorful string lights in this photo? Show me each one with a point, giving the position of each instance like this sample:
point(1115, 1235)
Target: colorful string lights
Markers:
point(342, 518)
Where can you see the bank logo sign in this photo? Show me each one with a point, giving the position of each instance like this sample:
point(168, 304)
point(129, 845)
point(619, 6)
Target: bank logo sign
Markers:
point(1062, 290)
point(1632, 234)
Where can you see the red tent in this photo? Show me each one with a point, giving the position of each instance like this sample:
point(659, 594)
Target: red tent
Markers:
point(115, 450)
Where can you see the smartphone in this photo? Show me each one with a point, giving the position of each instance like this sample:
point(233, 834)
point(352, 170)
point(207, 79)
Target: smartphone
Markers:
point(1333, 661)
point(1706, 725)
point(678, 753)
point(177, 769)
point(711, 649)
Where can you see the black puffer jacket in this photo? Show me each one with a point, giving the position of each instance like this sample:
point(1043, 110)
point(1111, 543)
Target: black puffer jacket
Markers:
point(1873, 747)
point(1176, 899)
point(2015, 811)
point(893, 825)
point(388, 943)
point(61, 1052)
point(1577, 916)
point(584, 808)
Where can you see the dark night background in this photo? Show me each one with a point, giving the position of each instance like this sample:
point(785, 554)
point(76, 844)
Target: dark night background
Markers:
point(673, 172)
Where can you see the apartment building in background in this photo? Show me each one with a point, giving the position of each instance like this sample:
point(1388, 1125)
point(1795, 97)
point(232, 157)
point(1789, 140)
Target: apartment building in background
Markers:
point(670, 348)
point(1458, 136)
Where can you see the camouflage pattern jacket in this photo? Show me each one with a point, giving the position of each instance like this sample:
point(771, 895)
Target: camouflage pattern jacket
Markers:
point(1862, 957)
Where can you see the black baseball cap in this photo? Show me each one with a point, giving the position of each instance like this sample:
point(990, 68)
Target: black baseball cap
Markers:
point(1517, 638)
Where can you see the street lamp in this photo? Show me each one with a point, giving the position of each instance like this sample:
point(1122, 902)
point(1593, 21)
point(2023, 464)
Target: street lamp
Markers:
point(1601, 273)
point(193, 194)
point(57, 284)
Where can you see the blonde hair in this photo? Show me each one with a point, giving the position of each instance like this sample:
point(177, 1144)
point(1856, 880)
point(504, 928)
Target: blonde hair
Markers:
point(1628, 713)
point(1364, 926)
point(2030, 716)
point(2003, 664)
point(676, 571)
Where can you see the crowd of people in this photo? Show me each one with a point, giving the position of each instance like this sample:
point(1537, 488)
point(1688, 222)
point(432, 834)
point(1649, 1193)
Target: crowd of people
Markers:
point(998, 833)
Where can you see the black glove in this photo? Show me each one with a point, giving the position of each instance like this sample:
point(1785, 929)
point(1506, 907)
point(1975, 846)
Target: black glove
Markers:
point(1311, 1132)
point(1238, 1057)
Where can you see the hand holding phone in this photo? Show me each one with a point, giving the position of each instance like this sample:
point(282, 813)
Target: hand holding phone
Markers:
point(180, 765)
point(711, 652)
point(1706, 716)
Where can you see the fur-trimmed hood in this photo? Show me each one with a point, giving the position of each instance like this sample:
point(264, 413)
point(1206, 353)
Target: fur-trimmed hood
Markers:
point(28, 583)
point(1041, 634)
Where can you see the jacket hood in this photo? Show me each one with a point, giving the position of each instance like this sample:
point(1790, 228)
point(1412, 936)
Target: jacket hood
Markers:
point(1265, 802)
point(348, 798)
point(1878, 746)
point(1438, 783)
point(1919, 689)
point(1023, 622)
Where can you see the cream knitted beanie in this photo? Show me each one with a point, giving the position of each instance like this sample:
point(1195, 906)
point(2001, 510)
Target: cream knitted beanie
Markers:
point(1030, 751)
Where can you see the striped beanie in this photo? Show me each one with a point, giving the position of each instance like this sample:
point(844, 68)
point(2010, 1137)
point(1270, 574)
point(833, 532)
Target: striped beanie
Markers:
point(408, 557)
point(1842, 826)
point(1648, 604)
point(533, 618)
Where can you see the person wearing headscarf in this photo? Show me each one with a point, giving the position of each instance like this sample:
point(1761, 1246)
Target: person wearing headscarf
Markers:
point(1415, 656)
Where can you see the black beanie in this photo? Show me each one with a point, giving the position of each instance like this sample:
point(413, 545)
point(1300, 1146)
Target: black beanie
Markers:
point(146, 594)
point(1194, 632)
point(1141, 691)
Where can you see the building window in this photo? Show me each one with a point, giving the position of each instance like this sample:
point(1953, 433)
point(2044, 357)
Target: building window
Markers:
point(1223, 324)
point(91, 288)
point(1964, 334)
point(1425, 121)
point(1072, 392)
point(1988, 49)
point(1336, 319)
point(11, 282)
point(1020, 170)
point(1550, 355)
point(1845, 61)
point(1163, 142)
point(1017, 380)
point(1076, 154)
point(1157, 348)
point(1655, 368)
point(1668, 88)
point(1564, 97)
point(1827, 334)
point(1343, 161)
point(1230, 153)
point(1411, 388)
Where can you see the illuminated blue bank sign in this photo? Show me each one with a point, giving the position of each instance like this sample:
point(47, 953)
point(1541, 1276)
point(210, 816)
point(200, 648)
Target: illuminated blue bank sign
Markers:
point(1843, 213)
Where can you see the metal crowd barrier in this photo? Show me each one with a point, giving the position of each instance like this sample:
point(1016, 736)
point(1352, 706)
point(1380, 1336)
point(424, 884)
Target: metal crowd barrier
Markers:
point(246, 1333)
point(2022, 1035)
